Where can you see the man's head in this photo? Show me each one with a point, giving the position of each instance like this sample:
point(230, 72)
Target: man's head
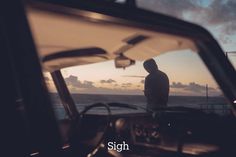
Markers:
point(150, 65)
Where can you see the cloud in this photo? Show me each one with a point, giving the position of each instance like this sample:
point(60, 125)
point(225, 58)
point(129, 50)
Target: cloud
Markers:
point(126, 85)
point(74, 82)
point(108, 81)
point(76, 86)
point(220, 12)
point(192, 87)
point(177, 85)
point(88, 84)
point(169, 7)
point(212, 13)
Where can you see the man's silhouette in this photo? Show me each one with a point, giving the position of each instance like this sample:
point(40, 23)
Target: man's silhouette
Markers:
point(156, 87)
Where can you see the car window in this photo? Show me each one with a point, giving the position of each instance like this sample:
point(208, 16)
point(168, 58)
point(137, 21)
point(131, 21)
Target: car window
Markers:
point(90, 50)
point(191, 85)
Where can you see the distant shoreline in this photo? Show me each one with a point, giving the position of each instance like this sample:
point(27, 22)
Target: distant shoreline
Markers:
point(174, 100)
point(137, 95)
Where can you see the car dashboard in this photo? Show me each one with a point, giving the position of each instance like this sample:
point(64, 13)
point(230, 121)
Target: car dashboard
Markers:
point(165, 133)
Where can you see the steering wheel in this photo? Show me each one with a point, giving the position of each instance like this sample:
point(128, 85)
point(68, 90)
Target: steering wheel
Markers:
point(76, 138)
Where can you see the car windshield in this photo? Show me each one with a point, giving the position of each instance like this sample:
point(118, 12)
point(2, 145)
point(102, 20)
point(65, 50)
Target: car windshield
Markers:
point(191, 85)
point(102, 61)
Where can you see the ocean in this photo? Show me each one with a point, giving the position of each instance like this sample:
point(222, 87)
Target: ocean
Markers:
point(213, 104)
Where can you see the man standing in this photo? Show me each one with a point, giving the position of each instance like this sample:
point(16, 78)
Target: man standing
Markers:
point(156, 87)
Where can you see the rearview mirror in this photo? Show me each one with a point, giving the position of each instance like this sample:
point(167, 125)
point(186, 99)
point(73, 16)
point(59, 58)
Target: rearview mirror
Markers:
point(123, 62)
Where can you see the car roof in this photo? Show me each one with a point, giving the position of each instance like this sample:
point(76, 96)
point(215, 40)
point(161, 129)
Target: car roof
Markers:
point(55, 33)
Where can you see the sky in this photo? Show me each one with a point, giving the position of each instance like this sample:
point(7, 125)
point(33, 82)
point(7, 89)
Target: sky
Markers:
point(218, 16)
point(186, 72)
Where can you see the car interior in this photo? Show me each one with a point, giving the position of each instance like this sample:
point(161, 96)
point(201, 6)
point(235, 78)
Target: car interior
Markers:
point(71, 66)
